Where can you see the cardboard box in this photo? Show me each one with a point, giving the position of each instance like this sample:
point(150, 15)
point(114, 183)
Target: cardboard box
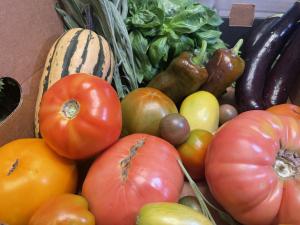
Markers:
point(28, 29)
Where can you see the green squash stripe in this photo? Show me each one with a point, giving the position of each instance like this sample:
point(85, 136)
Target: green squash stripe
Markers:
point(46, 79)
point(85, 51)
point(71, 50)
point(98, 69)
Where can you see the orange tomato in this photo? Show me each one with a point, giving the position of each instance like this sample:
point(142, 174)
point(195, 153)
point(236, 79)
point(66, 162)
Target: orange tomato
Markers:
point(30, 174)
point(286, 110)
point(192, 152)
point(63, 209)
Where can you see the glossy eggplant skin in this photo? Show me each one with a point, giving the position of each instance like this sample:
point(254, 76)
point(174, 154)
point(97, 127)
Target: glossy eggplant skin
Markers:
point(249, 88)
point(284, 73)
point(265, 26)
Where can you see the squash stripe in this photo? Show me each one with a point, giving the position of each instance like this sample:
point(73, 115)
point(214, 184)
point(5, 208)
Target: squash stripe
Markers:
point(85, 52)
point(46, 79)
point(69, 53)
point(98, 69)
point(110, 65)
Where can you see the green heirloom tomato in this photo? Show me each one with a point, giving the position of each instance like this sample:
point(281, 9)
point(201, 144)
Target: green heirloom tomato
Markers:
point(142, 110)
point(165, 213)
point(201, 109)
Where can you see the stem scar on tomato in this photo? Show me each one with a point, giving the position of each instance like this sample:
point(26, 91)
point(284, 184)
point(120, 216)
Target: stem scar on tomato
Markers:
point(13, 168)
point(287, 164)
point(70, 109)
point(125, 163)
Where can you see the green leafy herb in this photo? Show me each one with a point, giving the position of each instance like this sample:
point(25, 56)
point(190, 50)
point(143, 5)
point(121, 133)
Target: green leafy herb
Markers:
point(171, 27)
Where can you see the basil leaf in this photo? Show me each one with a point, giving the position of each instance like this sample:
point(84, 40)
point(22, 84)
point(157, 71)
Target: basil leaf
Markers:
point(158, 50)
point(215, 20)
point(173, 6)
point(147, 18)
point(189, 20)
point(183, 44)
point(139, 44)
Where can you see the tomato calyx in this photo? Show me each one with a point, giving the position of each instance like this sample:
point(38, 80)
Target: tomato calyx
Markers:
point(70, 109)
point(13, 168)
point(287, 164)
point(125, 163)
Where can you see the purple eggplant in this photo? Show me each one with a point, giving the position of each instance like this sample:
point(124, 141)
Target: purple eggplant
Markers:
point(249, 88)
point(257, 32)
point(284, 73)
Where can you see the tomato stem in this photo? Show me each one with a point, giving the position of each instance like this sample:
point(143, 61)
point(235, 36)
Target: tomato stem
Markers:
point(70, 109)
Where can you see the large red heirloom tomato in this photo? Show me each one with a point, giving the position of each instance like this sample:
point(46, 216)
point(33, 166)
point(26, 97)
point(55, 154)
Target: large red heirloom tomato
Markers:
point(80, 115)
point(138, 169)
point(252, 168)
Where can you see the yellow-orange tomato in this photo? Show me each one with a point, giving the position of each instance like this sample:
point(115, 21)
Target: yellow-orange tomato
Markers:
point(63, 209)
point(286, 110)
point(192, 152)
point(30, 174)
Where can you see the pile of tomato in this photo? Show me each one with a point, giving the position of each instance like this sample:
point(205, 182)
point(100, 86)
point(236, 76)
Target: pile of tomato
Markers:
point(250, 163)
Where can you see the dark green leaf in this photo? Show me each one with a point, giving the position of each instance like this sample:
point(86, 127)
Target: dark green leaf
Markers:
point(68, 20)
point(73, 8)
point(183, 44)
point(158, 50)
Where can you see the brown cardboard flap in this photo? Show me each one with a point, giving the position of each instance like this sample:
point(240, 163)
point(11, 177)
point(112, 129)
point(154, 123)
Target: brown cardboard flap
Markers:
point(242, 15)
point(28, 29)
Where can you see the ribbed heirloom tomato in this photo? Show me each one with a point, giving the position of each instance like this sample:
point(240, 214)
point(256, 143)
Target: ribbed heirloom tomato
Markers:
point(80, 115)
point(252, 168)
point(138, 169)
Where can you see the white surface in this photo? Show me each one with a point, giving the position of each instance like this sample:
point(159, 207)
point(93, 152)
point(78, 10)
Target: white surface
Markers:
point(263, 8)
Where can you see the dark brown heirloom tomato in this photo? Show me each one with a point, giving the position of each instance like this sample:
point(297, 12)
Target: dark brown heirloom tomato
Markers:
point(174, 128)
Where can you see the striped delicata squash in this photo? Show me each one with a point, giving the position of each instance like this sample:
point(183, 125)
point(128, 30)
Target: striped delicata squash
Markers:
point(76, 51)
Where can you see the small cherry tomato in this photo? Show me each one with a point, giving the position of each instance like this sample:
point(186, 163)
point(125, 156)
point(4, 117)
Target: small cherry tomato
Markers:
point(174, 128)
point(192, 152)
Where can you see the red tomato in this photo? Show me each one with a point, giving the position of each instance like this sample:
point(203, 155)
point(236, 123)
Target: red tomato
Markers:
point(138, 169)
point(192, 152)
point(80, 115)
point(286, 110)
point(252, 168)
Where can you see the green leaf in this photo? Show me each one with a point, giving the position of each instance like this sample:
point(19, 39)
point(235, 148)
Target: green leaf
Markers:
point(188, 20)
point(147, 19)
point(183, 44)
point(215, 20)
point(172, 6)
point(158, 50)
point(209, 34)
point(68, 20)
point(75, 10)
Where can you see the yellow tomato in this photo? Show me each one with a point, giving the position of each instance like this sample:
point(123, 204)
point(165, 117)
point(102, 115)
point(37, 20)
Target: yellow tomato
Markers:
point(201, 109)
point(30, 174)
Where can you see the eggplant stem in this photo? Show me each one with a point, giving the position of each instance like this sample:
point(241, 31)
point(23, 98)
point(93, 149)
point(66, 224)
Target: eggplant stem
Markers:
point(199, 58)
point(235, 50)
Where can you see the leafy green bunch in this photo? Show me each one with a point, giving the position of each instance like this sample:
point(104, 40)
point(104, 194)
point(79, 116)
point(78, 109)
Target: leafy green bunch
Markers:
point(160, 30)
